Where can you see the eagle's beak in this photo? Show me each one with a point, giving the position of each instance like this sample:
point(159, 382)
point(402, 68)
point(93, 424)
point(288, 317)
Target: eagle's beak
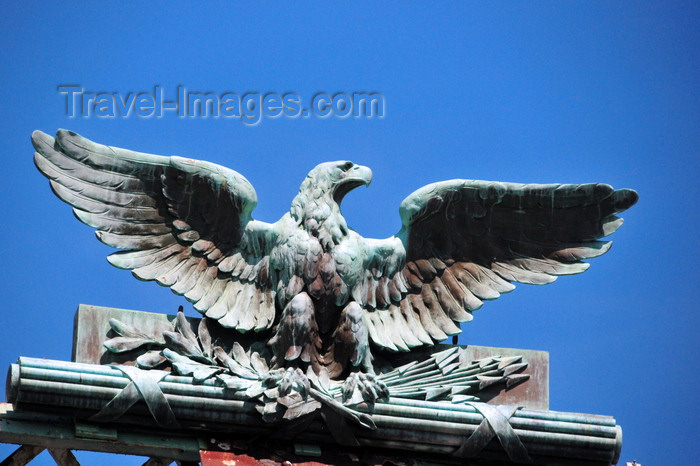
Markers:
point(361, 174)
point(357, 176)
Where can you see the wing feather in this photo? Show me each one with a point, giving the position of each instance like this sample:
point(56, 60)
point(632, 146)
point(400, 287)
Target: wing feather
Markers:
point(426, 318)
point(403, 327)
point(68, 170)
point(157, 269)
point(392, 331)
point(121, 227)
point(135, 259)
point(462, 297)
point(414, 322)
point(235, 313)
point(179, 272)
point(188, 281)
point(80, 201)
point(378, 333)
point(514, 273)
point(204, 282)
point(252, 302)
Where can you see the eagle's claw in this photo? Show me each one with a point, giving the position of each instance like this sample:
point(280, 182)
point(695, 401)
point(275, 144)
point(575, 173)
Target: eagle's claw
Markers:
point(359, 387)
point(288, 381)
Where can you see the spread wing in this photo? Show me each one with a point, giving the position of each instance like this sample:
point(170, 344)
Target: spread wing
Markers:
point(181, 222)
point(467, 241)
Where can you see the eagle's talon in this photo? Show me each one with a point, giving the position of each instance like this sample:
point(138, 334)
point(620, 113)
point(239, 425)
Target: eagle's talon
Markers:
point(359, 387)
point(288, 381)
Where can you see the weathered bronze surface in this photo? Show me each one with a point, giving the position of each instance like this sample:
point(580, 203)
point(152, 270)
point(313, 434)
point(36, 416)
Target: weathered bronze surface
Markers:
point(315, 291)
point(294, 311)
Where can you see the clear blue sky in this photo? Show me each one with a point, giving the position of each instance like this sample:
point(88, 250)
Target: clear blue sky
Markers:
point(537, 92)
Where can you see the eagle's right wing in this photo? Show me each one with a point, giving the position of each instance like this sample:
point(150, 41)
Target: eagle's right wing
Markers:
point(181, 222)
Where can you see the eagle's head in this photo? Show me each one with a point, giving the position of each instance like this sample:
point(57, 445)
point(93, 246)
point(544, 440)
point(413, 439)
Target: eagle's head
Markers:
point(335, 179)
point(324, 188)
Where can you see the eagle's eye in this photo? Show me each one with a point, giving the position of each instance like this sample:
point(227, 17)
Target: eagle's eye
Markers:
point(347, 166)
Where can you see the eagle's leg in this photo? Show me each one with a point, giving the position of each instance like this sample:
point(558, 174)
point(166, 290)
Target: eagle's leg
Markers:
point(351, 346)
point(296, 340)
point(351, 340)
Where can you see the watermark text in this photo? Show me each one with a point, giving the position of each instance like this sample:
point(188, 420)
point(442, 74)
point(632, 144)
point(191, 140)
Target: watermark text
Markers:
point(250, 108)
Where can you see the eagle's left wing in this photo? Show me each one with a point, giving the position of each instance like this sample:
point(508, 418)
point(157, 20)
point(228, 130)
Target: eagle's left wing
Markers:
point(465, 241)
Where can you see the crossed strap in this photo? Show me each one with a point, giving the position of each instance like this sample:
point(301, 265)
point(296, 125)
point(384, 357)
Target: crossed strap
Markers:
point(143, 386)
point(494, 424)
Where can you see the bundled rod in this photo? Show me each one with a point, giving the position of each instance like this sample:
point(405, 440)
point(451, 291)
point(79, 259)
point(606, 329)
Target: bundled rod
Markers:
point(411, 425)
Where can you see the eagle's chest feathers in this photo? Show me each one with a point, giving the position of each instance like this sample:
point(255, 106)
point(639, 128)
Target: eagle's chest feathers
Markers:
point(324, 257)
point(328, 264)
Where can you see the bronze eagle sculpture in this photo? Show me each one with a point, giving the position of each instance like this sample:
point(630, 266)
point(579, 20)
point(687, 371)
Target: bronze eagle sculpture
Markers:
point(322, 295)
